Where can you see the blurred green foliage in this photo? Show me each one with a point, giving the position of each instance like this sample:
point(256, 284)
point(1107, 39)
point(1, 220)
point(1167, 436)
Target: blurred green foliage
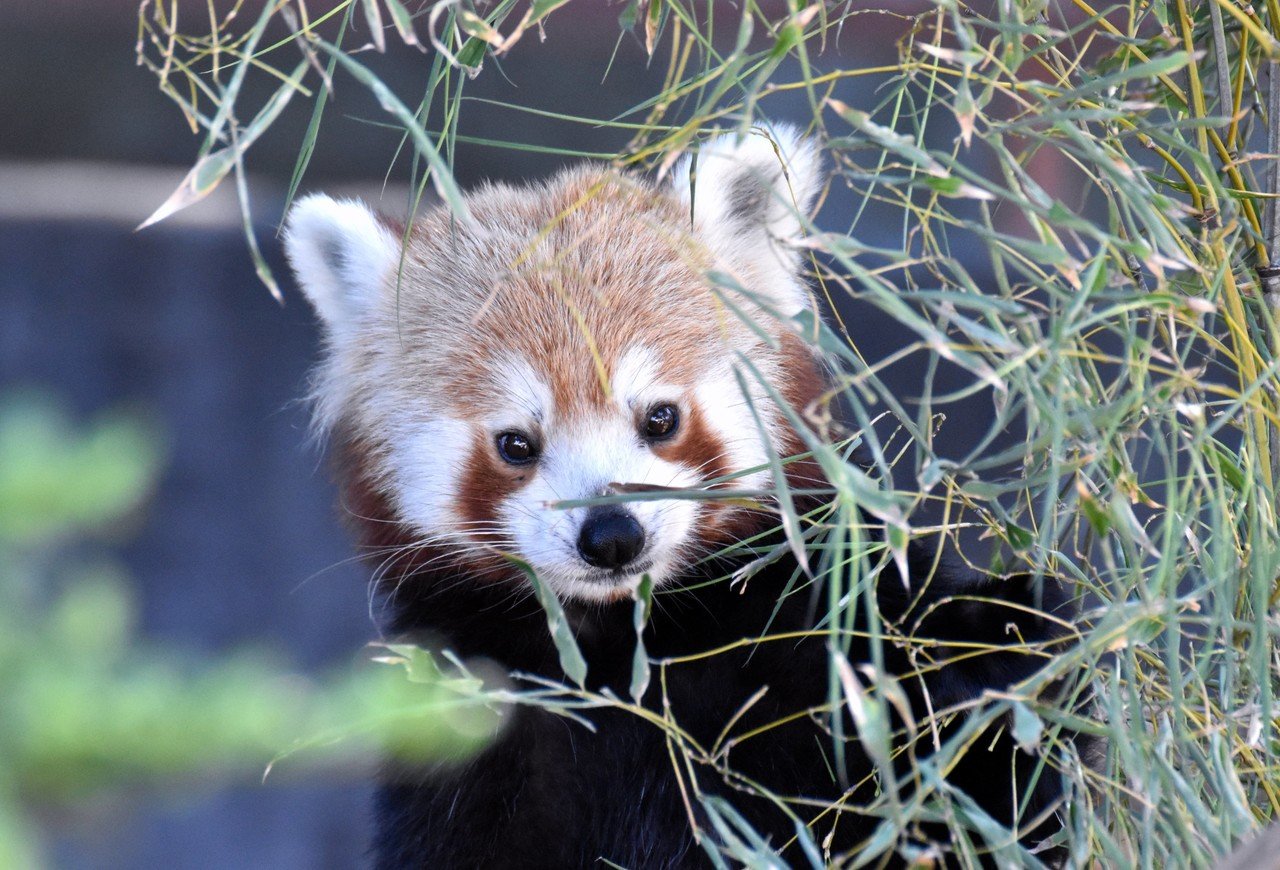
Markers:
point(89, 706)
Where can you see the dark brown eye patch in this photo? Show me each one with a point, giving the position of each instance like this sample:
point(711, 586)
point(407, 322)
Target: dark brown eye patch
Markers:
point(661, 421)
point(516, 448)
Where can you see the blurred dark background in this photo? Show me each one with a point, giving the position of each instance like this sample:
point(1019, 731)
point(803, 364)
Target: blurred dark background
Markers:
point(242, 543)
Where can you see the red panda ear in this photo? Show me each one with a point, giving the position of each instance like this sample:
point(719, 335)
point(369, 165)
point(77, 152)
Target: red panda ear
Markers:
point(751, 197)
point(341, 253)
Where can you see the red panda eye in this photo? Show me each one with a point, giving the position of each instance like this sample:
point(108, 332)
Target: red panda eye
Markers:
point(516, 448)
point(661, 421)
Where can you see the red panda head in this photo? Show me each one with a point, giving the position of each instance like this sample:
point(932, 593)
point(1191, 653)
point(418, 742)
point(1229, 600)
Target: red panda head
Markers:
point(563, 339)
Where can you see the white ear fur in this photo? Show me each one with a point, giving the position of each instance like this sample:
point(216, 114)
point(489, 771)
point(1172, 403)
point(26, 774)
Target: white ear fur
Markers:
point(341, 254)
point(749, 196)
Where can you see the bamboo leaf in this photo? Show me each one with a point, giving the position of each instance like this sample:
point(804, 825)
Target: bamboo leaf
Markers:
point(195, 186)
point(441, 177)
point(640, 618)
point(403, 22)
point(571, 660)
point(373, 18)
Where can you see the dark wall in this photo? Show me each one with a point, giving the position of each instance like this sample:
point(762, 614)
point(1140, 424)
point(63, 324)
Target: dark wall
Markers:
point(241, 545)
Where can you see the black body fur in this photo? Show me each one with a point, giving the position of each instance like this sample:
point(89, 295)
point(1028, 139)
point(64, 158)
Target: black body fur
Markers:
point(550, 793)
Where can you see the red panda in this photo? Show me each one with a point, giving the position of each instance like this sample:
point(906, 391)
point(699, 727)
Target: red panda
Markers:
point(559, 342)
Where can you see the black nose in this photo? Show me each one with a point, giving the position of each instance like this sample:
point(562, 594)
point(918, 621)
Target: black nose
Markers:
point(610, 537)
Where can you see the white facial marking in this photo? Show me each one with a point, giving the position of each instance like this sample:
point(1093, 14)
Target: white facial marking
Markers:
point(727, 412)
point(580, 457)
point(635, 379)
point(427, 465)
point(579, 463)
point(525, 396)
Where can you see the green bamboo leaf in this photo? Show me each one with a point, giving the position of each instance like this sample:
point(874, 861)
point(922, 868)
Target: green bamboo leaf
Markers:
point(629, 15)
point(888, 139)
point(441, 177)
point(1019, 538)
point(540, 9)
point(1166, 64)
point(420, 666)
point(640, 618)
point(205, 176)
point(571, 660)
point(1027, 727)
point(227, 98)
point(881, 841)
point(1228, 465)
point(307, 148)
point(1094, 511)
point(652, 26)
point(403, 22)
point(807, 846)
point(870, 717)
point(786, 506)
point(951, 185)
point(373, 17)
point(195, 186)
